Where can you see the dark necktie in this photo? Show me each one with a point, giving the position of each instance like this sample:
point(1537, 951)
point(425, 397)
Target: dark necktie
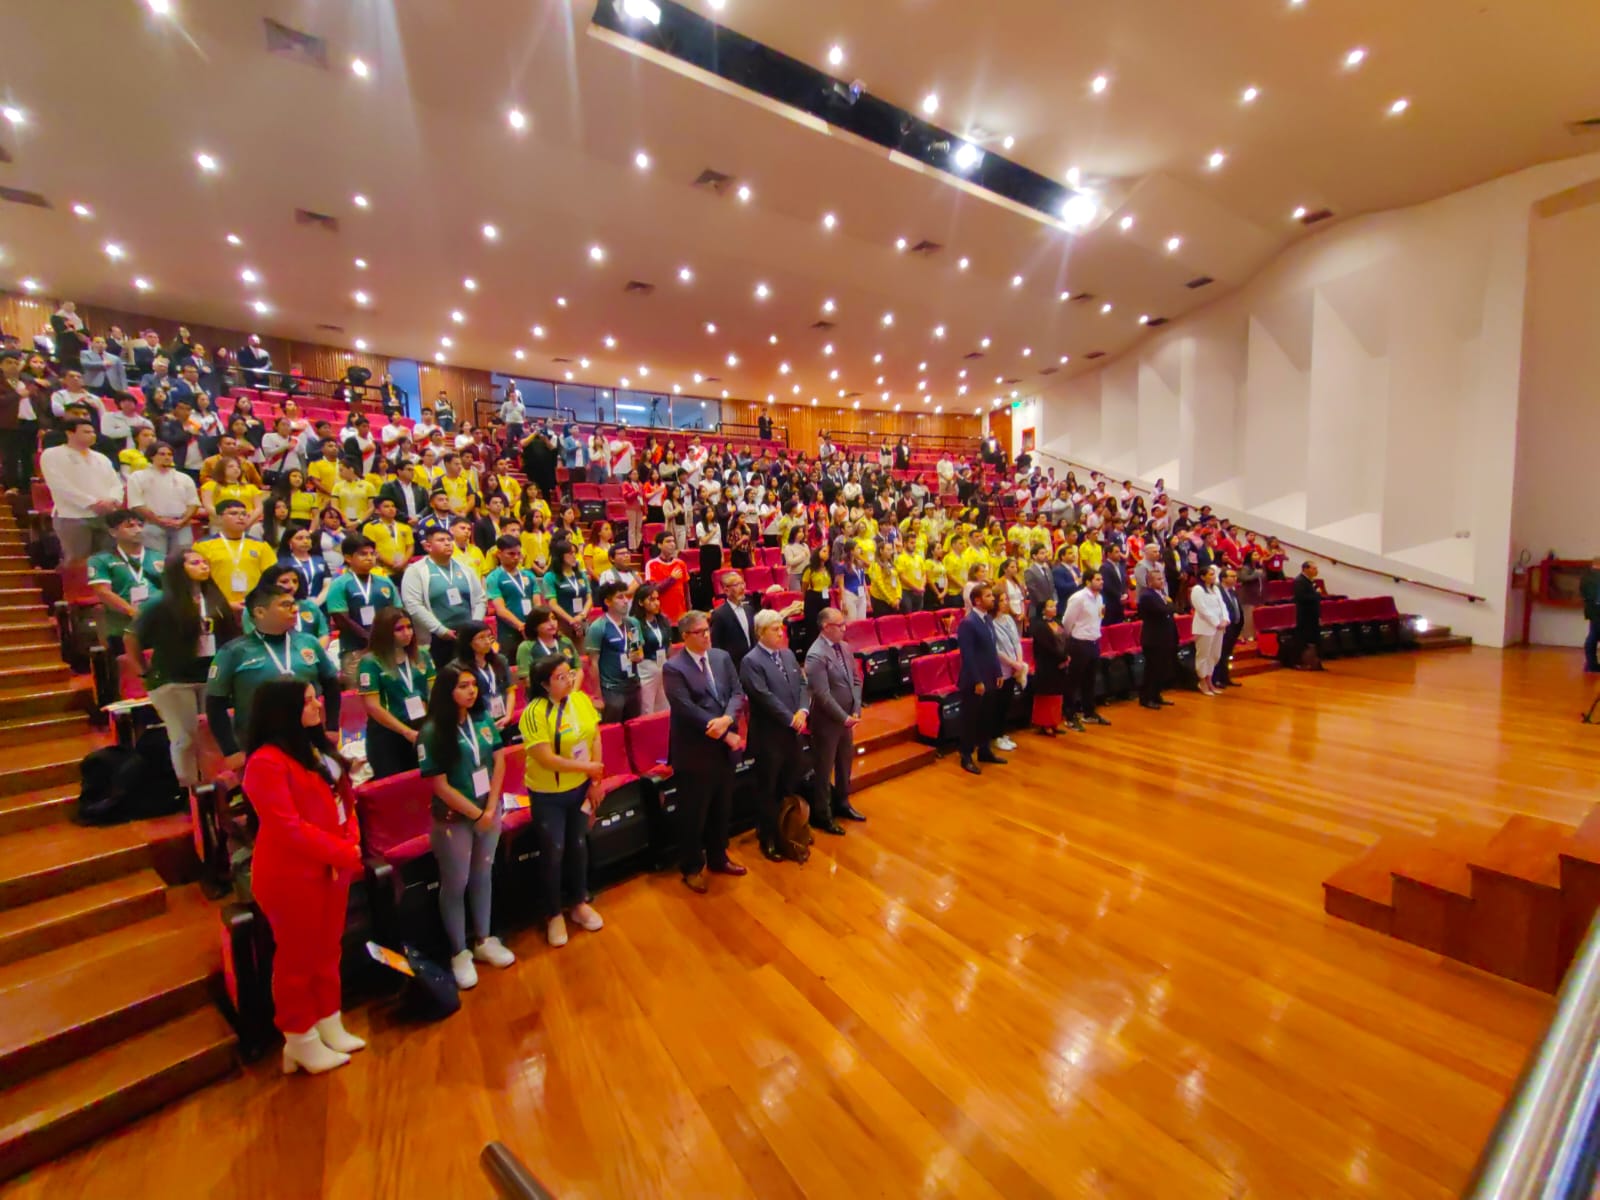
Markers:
point(711, 683)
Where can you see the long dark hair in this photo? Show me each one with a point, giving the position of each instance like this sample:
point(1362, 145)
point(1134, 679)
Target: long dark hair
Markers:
point(443, 720)
point(177, 594)
point(282, 568)
point(466, 657)
point(275, 721)
point(380, 644)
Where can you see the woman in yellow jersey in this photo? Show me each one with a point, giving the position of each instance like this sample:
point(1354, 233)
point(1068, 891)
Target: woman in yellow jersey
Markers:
point(955, 560)
point(303, 504)
point(938, 584)
point(597, 554)
point(533, 501)
point(353, 495)
point(883, 583)
point(230, 484)
point(569, 529)
point(912, 569)
point(818, 581)
point(536, 544)
point(508, 487)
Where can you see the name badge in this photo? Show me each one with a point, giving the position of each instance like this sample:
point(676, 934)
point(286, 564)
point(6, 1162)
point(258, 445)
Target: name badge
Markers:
point(338, 808)
point(415, 708)
point(207, 646)
point(138, 593)
point(627, 665)
point(480, 783)
point(452, 595)
point(661, 654)
point(364, 615)
point(497, 707)
point(239, 582)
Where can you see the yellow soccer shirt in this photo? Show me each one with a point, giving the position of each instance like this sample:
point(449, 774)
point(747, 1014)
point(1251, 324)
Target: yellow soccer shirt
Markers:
point(236, 567)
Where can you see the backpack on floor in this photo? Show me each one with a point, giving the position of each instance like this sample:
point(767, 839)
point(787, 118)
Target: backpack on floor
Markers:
point(794, 828)
point(121, 785)
point(44, 552)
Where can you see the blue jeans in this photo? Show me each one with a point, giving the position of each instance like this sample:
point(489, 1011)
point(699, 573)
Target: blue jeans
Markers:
point(466, 872)
point(563, 829)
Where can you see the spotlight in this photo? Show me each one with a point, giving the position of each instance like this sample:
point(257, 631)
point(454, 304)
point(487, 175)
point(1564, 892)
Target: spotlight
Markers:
point(966, 156)
point(1079, 210)
point(640, 10)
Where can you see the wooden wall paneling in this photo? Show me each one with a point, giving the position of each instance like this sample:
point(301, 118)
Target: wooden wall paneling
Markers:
point(463, 385)
point(806, 424)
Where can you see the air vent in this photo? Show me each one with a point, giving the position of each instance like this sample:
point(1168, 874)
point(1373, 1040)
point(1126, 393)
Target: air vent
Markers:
point(824, 326)
point(926, 248)
point(1095, 354)
point(1311, 218)
point(714, 181)
point(1012, 382)
point(850, 395)
point(1589, 125)
point(19, 196)
point(1082, 296)
point(304, 216)
point(1200, 281)
point(304, 48)
point(331, 328)
point(1049, 370)
point(713, 378)
point(635, 287)
point(973, 354)
point(1154, 321)
point(561, 360)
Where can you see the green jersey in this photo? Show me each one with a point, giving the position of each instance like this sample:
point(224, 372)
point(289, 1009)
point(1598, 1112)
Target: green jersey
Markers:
point(402, 690)
point(245, 663)
point(449, 591)
point(517, 590)
point(477, 742)
point(359, 600)
point(307, 616)
point(134, 578)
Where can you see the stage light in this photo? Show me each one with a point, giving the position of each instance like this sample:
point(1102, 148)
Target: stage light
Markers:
point(641, 10)
point(966, 156)
point(1079, 210)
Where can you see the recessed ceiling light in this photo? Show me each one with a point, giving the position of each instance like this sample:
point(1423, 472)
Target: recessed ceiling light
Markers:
point(234, 239)
point(922, 366)
point(772, 339)
point(999, 378)
point(1248, 96)
point(584, 363)
point(966, 157)
point(1399, 106)
point(836, 56)
point(685, 275)
point(438, 357)
point(938, 408)
point(1105, 308)
point(249, 276)
point(1009, 142)
point(1299, 212)
point(490, 233)
point(744, 193)
point(1074, 176)
point(699, 378)
point(518, 354)
point(569, 376)
point(82, 210)
point(1016, 281)
point(444, 341)
point(677, 389)
point(877, 358)
point(642, 161)
point(1125, 224)
point(561, 301)
point(1080, 210)
point(930, 103)
point(888, 318)
point(142, 284)
point(829, 220)
point(1066, 358)
point(1174, 244)
point(597, 254)
point(834, 374)
point(962, 390)
point(361, 343)
point(783, 368)
point(459, 317)
point(1355, 58)
point(1065, 296)
point(961, 374)
point(985, 343)
point(733, 360)
point(827, 351)
point(770, 397)
point(15, 115)
point(516, 118)
point(361, 264)
point(896, 407)
point(470, 284)
point(879, 381)
point(963, 264)
point(161, 8)
point(813, 402)
point(359, 201)
point(262, 307)
point(762, 291)
point(537, 331)
point(938, 331)
point(360, 297)
point(205, 161)
point(114, 251)
point(922, 385)
point(644, 372)
point(1027, 352)
point(795, 389)
point(359, 68)
point(827, 306)
point(853, 403)
point(900, 243)
point(1099, 84)
point(1216, 160)
point(1144, 318)
point(610, 342)
point(711, 327)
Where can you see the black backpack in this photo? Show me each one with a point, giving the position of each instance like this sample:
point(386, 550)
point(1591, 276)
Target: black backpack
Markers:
point(44, 552)
point(121, 785)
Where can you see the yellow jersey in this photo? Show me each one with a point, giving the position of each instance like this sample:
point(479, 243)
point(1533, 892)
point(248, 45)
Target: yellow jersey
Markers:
point(236, 567)
point(470, 556)
point(536, 550)
point(391, 544)
point(912, 570)
point(324, 473)
point(883, 584)
point(354, 498)
point(462, 496)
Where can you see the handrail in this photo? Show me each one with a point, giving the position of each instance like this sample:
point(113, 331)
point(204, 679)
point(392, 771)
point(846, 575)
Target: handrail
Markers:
point(1546, 1145)
point(935, 441)
point(510, 1178)
point(723, 427)
point(1469, 597)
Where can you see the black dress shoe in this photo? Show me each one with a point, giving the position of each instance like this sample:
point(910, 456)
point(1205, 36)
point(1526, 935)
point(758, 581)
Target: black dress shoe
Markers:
point(770, 852)
point(992, 758)
point(970, 767)
point(1166, 703)
point(849, 812)
point(1097, 719)
point(1150, 704)
point(829, 826)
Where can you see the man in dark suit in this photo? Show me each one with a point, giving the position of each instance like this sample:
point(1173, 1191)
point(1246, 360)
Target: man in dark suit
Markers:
point(733, 625)
point(1158, 640)
point(1307, 619)
point(1222, 677)
point(704, 698)
point(779, 718)
point(392, 397)
point(410, 498)
point(1038, 582)
point(1113, 584)
point(981, 678)
point(835, 712)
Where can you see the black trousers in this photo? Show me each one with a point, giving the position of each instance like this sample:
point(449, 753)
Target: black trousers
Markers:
point(1083, 665)
point(563, 830)
point(780, 758)
point(911, 602)
point(1230, 638)
point(833, 748)
point(619, 706)
point(705, 802)
point(17, 451)
point(388, 753)
point(1158, 664)
point(978, 719)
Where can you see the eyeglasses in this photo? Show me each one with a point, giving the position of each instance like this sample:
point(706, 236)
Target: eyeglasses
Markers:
point(697, 630)
point(833, 624)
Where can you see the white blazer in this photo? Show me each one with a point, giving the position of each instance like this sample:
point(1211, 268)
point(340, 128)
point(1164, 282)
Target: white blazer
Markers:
point(1210, 610)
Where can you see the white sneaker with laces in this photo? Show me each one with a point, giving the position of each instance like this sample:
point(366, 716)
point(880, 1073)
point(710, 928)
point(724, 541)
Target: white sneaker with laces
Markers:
point(1005, 743)
point(585, 917)
point(466, 974)
point(492, 952)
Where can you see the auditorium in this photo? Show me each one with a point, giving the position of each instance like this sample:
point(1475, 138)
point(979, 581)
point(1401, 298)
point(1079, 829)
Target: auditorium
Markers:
point(725, 598)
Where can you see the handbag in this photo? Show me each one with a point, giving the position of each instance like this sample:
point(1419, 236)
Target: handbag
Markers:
point(430, 992)
point(794, 828)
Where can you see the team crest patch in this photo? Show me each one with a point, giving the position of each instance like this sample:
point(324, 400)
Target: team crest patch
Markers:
point(308, 655)
point(486, 734)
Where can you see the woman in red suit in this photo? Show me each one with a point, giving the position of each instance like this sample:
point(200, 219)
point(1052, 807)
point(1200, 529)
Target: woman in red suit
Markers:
point(306, 855)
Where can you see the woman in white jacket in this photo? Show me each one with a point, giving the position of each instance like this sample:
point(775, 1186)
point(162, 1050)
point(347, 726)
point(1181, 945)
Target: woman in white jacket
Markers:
point(1210, 621)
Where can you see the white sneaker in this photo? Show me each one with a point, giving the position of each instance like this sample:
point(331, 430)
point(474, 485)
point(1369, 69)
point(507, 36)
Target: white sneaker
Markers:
point(466, 974)
point(1005, 743)
point(585, 917)
point(492, 952)
point(306, 1052)
point(556, 931)
point(336, 1037)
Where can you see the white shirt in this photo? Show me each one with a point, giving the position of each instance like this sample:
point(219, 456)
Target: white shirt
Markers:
point(78, 479)
point(1210, 610)
point(273, 445)
point(621, 456)
point(60, 398)
point(167, 493)
point(1085, 607)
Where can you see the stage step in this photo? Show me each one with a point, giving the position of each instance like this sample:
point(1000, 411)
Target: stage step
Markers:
point(51, 861)
point(1433, 890)
point(37, 700)
point(16, 731)
point(68, 919)
point(47, 1116)
point(1441, 639)
point(32, 810)
point(47, 676)
point(1362, 891)
point(1516, 902)
point(889, 760)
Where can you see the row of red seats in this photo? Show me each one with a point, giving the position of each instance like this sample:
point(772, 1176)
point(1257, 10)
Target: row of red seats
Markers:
point(1279, 617)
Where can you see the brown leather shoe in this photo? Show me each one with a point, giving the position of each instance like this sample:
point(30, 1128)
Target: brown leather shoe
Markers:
point(697, 882)
point(729, 867)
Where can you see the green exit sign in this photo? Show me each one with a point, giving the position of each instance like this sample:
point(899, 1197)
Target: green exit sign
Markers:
point(1016, 404)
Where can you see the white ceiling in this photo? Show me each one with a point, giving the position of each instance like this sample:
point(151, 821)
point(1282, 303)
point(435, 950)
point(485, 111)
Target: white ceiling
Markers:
point(118, 106)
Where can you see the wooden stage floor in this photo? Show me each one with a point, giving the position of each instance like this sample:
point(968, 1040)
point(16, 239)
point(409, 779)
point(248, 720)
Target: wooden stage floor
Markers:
point(1101, 971)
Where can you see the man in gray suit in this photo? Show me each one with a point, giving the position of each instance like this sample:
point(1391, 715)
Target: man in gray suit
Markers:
point(1037, 581)
point(778, 720)
point(835, 712)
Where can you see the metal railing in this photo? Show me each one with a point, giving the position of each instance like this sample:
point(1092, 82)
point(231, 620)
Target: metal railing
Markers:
point(954, 442)
point(1546, 1145)
point(1080, 467)
point(511, 1180)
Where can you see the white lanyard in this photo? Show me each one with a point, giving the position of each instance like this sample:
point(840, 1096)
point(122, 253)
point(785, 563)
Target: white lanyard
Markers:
point(307, 569)
point(405, 672)
point(434, 567)
point(472, 743)
point(237, 555)
point(134, 565)
point(515, 580)
point(491, 682)
point(283, 667)
point(364, 591)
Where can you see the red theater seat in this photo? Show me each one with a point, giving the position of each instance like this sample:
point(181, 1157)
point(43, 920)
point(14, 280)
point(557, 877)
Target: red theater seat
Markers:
point(647, 741)
point(925, 627)
point(395, 815)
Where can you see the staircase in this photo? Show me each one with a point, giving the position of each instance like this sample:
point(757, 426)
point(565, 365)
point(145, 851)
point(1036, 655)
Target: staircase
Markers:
point(107, 975)
point(1514, 900)
point(886, 745)
point(1439, 637)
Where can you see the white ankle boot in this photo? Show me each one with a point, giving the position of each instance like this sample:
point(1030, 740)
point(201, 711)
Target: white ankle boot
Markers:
point(336, 1037)
point(306, 1052)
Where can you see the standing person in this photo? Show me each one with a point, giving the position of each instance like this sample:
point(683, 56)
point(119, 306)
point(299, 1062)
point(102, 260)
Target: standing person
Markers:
point(393, 679)
point(566, 589)
point(512, 593)
point(1210, 624)
point(1008, 645)
point(1222, 677)
point(835, 708)
point(237, 562)
point(670, 574)
point(1307, 619)
point(1050, 660)
point(182, 628)
point(566, 785)
point(1085, 613)
point(441, 594)
point(616, 643)
point(656, 632)
point(84, 486)
point(476, 651)
point(307, 852)
point(704, 698)
point(1037, 581)
point(123, 578)
point(459, 750)
point(818, 582)
point(166, 501)
point(1589, 592)
point(1113, 585)
point(1158, 639)
point(354, 601)
point(981, 678)
point(733, 623)
point(779, 716)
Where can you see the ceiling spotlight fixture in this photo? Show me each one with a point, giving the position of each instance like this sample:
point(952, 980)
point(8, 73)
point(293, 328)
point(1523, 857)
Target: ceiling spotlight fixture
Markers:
point(81, 210)
point(938, 331)
point(114, 251)
point(470, 284)
point(517, 119)
point(834, 374)
point(733, 360)
point(161, 8)
point(795, 389)
point(1216, 160)
point(610, 342)
point(361, 264)
point(1144, 318)
point(1008, 142)
point(584, 363)
point(490, 233)
point(1355, 58)
point(537, 331)
point(930, 103)
point(359, 200)
point(967, 156)
point(359, 68)
point(561, 301)
point(783, 368)
point(896, 407)
point(877, 358)
point(677, 389)
point(827, 306)
point(1099, 84)
point(1125, 224)
point(642, 161)
point(1065, 359)
point(813, 402)
point(1065, 296)
point(836, 56)
point(711, 327)
point(1248, 96)
point(518, 355)
point(1016, 281)
point(249, 276)
point(899, 243)
point(879, 381)
point(762, 291)
point(985, 343)
point(855, 403)
point(922, 385)
point(685, 275)
point(1399, 106)
point(888, 318)
point(444, 341)
point(963, 264)
point(1105, 309)
point(1299, 213)
point(937, 409)
point(961, 374)
point(1174, 244)
point(699, 378)
point(262, 307)
point(1074, 176)
point(772, 339)
point(233, 239)
point(1080, 210)
point(361, 343)
point(30, 285)
point(744, 193)
point(597, 254)
point(438, 356)
point(569, 376)
point(641, 10)
point(827, 351)
point(360, 297)
point(459, 317)
point(205, 161)
point(142, 284)
point(644, 372)
point(1027, 352)
point(829, 220)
